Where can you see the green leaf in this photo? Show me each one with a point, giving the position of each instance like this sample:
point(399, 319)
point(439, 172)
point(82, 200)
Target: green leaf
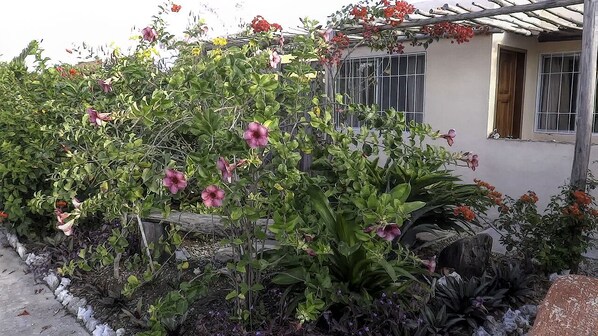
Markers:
point(401, 192)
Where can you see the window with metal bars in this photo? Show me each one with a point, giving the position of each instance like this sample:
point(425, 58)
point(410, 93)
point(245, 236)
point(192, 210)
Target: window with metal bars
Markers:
point(393, 81)
point(557, 93)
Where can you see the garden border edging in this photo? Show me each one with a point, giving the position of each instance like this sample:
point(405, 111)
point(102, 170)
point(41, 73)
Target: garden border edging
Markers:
point(76, 306)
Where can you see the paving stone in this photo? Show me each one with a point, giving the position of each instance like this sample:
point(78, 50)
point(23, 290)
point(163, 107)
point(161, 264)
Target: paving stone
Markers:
point(569, 309)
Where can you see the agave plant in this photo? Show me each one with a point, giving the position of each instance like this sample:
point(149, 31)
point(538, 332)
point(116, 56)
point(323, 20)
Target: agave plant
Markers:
point(512, 278)
point(468, 302)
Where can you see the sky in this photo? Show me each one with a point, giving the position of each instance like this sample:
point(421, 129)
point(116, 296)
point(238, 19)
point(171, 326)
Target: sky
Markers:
point(63, 24)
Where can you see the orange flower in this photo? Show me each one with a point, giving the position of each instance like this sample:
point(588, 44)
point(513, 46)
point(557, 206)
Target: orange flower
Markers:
point(529, 197)
point(72, 72)
point(60, 204)
point(3, 215)
point(465, 212)
point(582, 198)
point(175, 8)
point(573, 210)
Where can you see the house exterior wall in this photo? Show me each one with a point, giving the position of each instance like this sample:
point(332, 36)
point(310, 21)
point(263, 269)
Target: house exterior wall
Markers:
point(460, 93)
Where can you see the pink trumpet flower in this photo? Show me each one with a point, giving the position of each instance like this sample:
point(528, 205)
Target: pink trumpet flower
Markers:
point(450, 136)
point(97, 118)
point(212, 196)
point(227, 169)
point(149, 34)
point(174, 180)
point(256, 135)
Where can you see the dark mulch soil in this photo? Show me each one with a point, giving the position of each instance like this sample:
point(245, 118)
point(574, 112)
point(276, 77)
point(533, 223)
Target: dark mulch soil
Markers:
point(207, 316)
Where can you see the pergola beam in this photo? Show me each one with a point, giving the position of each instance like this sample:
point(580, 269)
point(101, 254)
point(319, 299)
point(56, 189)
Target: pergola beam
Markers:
point(587, 96)
point(481, 14)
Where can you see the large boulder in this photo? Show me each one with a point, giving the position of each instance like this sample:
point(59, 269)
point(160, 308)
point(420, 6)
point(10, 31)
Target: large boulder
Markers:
point(569, 308)
point(467, 256)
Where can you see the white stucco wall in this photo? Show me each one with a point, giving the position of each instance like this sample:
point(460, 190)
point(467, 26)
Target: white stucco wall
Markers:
point(460, 93)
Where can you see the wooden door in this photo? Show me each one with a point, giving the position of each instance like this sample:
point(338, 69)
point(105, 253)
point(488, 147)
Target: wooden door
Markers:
point(509, 94)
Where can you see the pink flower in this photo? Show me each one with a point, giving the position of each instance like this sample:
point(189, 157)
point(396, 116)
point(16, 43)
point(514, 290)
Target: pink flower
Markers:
point(327, 34)
point(471, 160)
point(450, 136)
point(67, 227)
point(310, 252)
point(430, 264)
point(174, 180)
point(76, 202)
point(388, 232)
point(212, 196)
point(97, 118)
point(274, 59)
point(106, 85)
point(256, 135)
point(149, 34)
point(227, 169)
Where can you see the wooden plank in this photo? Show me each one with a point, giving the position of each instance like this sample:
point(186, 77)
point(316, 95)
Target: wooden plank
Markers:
point(198, 223)
point(480, 14)
point(587, 95)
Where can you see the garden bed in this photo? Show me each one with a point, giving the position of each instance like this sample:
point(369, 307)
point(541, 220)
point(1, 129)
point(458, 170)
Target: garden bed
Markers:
point(210, 315)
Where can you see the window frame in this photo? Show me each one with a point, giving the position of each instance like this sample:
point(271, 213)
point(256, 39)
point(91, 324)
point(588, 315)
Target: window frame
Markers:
point(377, 87)
point(538, 103)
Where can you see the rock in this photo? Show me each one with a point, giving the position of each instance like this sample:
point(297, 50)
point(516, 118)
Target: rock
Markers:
point(65, 282)
point(84, 313)
point(569, 308)
point(67, 299)
point(120, 332)
point(529, 310)
point(442, 281)
point(509, 320)
point(91, 324)
point(480, 331)
point(494, 328)
point(182, 254)
point(75, 304)
point(52, 280)
point(467, 256)
point(22, 251)
point(12, 240)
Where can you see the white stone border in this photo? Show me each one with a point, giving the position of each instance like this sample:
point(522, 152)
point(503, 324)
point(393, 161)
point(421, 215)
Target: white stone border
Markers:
point(59, 286)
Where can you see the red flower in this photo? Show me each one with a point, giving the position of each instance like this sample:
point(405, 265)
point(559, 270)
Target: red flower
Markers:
point(276, 27)
point(72, 72)
point(359, 12)
point(465, 212)
point(396, 13)
point(256, 135)
point(212, 196)
point(175, 8)
point(60, 204)
point(3, 215)
point(449, 136)
point(260, 25)
point(174, 180)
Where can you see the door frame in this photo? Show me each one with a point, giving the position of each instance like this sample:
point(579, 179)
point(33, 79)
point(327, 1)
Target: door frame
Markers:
point(521, 74)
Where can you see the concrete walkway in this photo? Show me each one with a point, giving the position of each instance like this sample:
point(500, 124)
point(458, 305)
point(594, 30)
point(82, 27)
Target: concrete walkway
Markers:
point(27, 308)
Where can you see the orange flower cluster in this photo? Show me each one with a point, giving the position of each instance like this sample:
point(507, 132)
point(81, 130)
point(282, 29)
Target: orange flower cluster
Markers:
point(573, 210)
point(61, 204)
point(464, 211)
point(493, 195)
point(529, 197)
point(582, 198)
point(175, 8)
